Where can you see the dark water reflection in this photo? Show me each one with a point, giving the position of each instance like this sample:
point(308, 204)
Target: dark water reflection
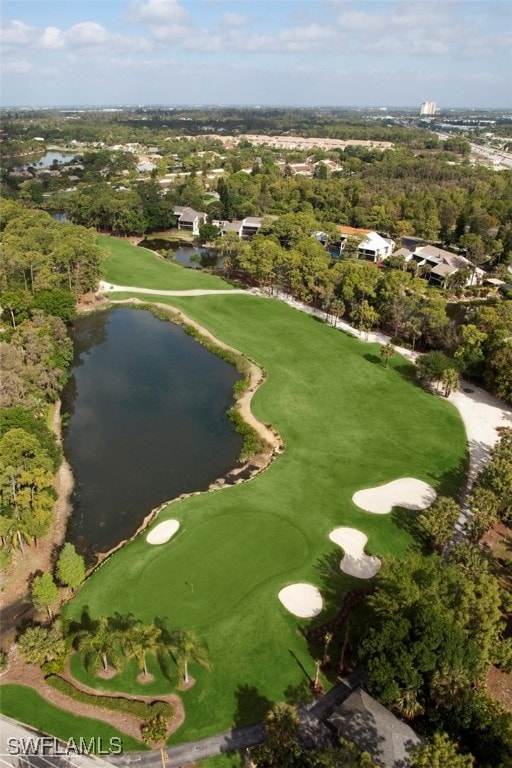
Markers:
point(147, 422)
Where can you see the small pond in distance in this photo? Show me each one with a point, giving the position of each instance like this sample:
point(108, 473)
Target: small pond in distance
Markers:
point(147, 421)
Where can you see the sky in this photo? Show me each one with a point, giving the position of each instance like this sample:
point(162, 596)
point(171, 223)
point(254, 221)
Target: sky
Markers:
point(256, 52)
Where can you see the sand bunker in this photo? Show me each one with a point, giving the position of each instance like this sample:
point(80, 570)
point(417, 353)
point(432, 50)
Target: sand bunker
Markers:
point(406, 492)
point(303, 600)
point(162, 532)
point(355, 562)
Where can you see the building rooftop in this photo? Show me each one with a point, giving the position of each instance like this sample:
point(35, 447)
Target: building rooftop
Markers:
point(374, 729)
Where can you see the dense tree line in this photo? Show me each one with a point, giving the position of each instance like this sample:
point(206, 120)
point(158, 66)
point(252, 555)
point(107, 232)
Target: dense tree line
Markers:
point(122, 212)
point(45, 266)
point(434, 628)
point(39, 253)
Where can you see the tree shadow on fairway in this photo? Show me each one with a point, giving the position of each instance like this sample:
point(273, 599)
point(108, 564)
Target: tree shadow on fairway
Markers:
point(299, 694)
point(407, 371)
point(453, 482)
point(334, 583)
point(85, 623)
point(408, 520)
point(373, 359)
point(251, 705)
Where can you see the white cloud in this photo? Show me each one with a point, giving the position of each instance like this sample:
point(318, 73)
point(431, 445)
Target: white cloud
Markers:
point(158, 12)
point(16, 33)
point(87, 34)
point(52, 38)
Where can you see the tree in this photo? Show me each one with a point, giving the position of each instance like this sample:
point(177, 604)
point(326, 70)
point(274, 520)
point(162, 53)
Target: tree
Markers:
point(450, 380)
point(427, 622)
point(484, 506)
point(387, 351)
point(26, 494)
point(44, 592)
point(187, 648)
point(431, 366)
point(281, 748)
point(440, 752)
point(475, 249)
point(39, 645)
point(58, 302)
point(70, 567)
point(470, 352)
point(364, 317)
point(140, 640)
point(208, 232)
point(98, 643)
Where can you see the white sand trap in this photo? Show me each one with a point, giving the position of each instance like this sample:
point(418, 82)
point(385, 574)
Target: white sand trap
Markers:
point(406, 492)
point(162, 532)
point(303, 600)
point(355, 562)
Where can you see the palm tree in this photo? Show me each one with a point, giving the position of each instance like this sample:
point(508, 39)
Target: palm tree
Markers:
point(186, 647)
point(328, 638)
point(450, 379)
point(38, 645)
point(99, 645)
point(408, 705)
point(140, 640)
point(386, 352)
point(414, 328)
point(447, 685)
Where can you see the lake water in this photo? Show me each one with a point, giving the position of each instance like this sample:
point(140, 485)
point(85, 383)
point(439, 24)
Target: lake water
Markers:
point(187, 255)
point(48, 159)
point(147, 422)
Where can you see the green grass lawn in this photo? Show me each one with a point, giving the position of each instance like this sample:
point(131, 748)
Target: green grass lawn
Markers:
point(27, 706)
point(131, 265)
point(348, 423)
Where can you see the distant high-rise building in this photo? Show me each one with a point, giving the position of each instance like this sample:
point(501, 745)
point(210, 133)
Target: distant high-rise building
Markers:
point(428, 108)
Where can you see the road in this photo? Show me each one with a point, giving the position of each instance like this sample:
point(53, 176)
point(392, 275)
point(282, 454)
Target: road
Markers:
point(17, 740)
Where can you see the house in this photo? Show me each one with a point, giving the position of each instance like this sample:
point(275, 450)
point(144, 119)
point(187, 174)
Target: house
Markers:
point(370, 246)
point(443, 264)
point(250, 227)
point(374, 729)
point(244, 228)
point(189, 219)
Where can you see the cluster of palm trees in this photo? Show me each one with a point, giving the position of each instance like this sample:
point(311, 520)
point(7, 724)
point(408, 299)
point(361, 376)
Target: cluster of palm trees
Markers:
point(107, 641)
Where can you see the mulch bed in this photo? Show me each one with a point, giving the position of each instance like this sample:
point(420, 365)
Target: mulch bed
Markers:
point(20, 673)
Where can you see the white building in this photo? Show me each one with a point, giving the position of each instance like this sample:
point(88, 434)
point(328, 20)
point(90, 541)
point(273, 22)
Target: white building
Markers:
point(370, 245)
point(428, 108)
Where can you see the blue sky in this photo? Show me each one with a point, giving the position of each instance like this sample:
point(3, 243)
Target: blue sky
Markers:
point(316, 52)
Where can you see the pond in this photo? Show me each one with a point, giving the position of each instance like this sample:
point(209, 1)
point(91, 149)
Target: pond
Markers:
point(147, 422)
point(49, 158)
point(188, 255)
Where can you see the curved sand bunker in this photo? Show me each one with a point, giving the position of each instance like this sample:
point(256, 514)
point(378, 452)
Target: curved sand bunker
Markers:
point(406, 492)
point(162, 532)
point(303, 600)
point(355, 562)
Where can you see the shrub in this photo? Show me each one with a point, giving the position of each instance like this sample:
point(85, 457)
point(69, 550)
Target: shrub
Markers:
point(140, 709)
point(155, 729)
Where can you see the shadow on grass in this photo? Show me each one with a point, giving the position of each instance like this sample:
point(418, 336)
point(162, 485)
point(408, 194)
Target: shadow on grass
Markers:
point(374, 359)
point(299, 694)
point(251, 705)
point(301, 666)
point(409, 521)
point(335, 584)
point(453, 482)
point(407, 371)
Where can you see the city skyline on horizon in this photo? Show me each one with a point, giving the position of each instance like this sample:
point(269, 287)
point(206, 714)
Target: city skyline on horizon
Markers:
point(329, 53)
